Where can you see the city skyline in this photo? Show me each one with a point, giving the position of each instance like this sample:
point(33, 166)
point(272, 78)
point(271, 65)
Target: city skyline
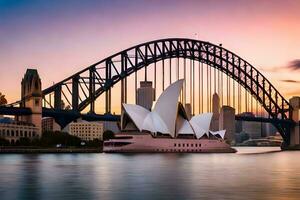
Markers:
point(66, 37)
point(149, 99)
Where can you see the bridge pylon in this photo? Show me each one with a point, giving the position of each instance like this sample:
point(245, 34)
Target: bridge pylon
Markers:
point(31, 97)
point(295, 116)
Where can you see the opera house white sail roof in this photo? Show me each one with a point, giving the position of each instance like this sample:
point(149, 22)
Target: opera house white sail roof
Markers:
point(168, 116)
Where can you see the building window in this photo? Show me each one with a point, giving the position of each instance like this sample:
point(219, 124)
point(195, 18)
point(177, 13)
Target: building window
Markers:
point(192, 145)
point(182, 145)
point(187, 145)
point(179, 145)
point(37, 102)
point(196, 145)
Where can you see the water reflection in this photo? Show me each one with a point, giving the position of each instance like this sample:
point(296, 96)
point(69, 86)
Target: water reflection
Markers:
point(250, 174)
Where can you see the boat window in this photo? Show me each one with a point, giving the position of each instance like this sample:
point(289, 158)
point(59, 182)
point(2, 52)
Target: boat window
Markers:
point(117, 144)
point(123, 137)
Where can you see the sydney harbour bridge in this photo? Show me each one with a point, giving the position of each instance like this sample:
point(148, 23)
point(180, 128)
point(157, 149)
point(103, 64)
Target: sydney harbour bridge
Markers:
point(97, 92)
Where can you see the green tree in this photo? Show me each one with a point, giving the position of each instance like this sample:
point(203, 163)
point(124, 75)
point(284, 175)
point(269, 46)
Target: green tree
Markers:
point(94, 143)
point(24, 142)
point(3, 100)
point(50, 138)
point(4, 142)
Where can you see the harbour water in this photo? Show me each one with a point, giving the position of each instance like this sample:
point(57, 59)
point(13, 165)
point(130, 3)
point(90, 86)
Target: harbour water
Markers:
point(252, 173)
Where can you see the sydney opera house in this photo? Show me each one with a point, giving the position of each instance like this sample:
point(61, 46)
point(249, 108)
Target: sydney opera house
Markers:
point(166, 128)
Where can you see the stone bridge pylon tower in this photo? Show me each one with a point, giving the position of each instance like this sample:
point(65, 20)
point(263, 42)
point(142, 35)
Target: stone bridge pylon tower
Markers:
point(31, 97)
point(295, 116)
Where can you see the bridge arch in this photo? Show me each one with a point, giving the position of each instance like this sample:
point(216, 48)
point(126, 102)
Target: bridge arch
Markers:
point(121, 65)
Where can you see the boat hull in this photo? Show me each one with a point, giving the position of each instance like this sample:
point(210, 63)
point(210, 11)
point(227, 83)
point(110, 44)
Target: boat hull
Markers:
point(145, 143)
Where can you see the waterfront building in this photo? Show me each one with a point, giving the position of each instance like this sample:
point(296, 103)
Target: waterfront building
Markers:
point(268, 129)
point(86, 130)
point(12, 130)
point(253, 129)
point(145, 94)
point(49, 124)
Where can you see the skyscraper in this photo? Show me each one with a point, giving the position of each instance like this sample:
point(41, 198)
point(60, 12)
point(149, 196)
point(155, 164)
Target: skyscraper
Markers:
point(227, 122)
point(216, 112)
point(145, 94)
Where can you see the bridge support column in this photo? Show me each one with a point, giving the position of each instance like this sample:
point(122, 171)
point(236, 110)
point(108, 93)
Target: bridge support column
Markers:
point(295, 116)
point(57, 98)
point(227, 122)
point(75, 93)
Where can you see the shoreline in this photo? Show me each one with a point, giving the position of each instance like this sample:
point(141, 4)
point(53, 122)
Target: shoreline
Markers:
point(48, 150)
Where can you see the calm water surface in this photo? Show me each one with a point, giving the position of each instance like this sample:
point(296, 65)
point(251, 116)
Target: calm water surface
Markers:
point(252, 173)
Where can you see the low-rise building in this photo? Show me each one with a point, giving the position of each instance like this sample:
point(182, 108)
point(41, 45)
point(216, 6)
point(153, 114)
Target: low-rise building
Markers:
point(86, 130)
point(49, 124)
point(12, 130)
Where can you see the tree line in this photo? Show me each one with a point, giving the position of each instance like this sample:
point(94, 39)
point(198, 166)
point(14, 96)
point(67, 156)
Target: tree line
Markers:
point(53, 138)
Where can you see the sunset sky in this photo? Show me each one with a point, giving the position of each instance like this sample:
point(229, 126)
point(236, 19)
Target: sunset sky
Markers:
point(60, 37)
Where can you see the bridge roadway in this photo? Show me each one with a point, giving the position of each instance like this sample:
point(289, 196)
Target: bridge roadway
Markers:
point(81, 89)
point(65, 116)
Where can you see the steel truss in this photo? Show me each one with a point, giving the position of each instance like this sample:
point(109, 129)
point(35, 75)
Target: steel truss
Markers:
point(86, 86)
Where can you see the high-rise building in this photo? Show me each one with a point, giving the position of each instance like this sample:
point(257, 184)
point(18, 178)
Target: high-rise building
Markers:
point(214, 126)
point(188, 110)
point(227, 122)
point(268, 129)
point(253, 129)
point(145, 94)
